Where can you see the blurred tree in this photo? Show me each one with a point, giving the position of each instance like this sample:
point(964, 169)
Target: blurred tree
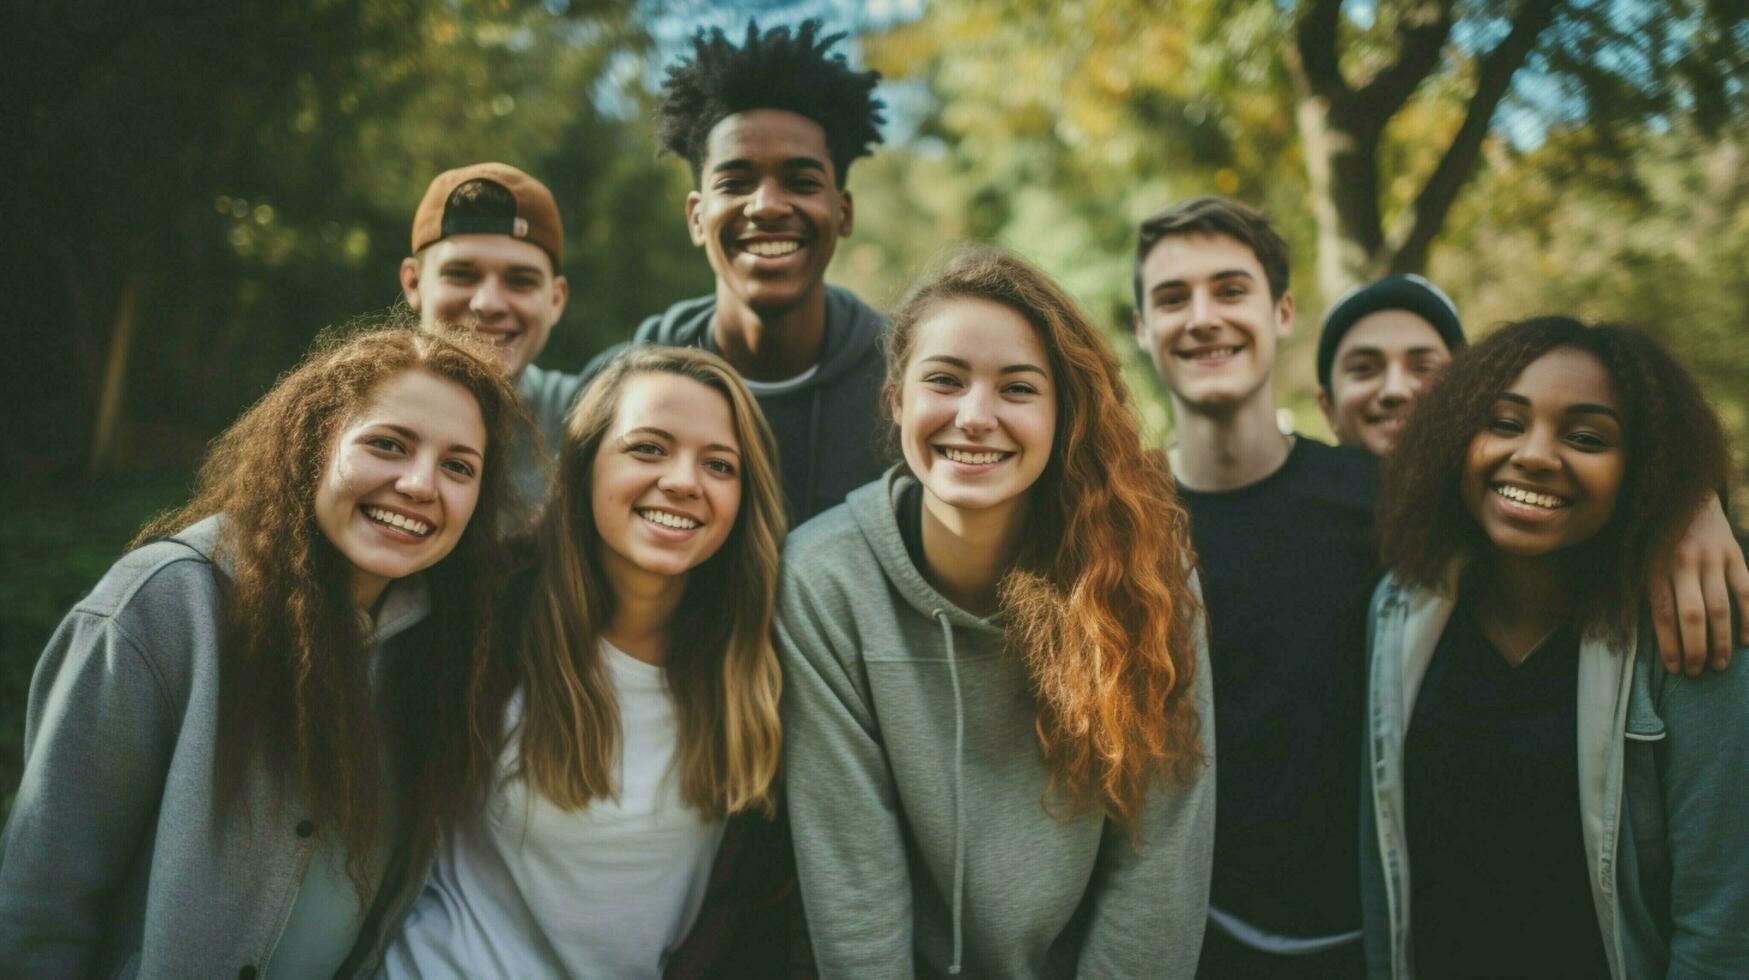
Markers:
point(198, 187)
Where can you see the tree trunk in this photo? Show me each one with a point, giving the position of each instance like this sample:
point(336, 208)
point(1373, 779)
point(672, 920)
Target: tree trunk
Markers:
point(115, 375)
point(1343, 174)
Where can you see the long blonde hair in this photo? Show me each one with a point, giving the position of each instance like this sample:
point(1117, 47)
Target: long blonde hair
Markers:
point(722, 672)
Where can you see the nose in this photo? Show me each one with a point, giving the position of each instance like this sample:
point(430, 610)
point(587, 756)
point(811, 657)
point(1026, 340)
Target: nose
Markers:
point(680, 479)
point(1396, 387)
point(488, 298)
point(418, 480)
point(1535, 452)
point(767, 201)
point(976, 414)
point(1202, 310)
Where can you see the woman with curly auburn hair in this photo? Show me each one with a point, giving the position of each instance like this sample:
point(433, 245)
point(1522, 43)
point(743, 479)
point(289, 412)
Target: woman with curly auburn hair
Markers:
point(631, 831)
point(996, 673)
point(243, 745)
point(1525, 743)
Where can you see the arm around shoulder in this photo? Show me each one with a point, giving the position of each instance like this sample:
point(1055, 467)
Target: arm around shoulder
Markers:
point(844, 814)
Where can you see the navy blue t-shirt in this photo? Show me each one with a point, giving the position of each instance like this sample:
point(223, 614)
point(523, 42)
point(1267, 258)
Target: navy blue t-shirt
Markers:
point(1287, 566)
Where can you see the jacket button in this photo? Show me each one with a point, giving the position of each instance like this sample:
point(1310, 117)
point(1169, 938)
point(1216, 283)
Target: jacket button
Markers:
point(305, 829)
point(247, 973)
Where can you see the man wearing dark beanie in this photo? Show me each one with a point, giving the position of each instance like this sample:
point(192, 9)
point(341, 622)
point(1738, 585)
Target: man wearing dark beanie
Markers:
point(1381, 344)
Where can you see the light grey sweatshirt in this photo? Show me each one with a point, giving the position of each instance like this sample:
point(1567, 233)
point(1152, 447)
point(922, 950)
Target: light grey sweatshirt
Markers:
point(916, 786)
point(115, 862)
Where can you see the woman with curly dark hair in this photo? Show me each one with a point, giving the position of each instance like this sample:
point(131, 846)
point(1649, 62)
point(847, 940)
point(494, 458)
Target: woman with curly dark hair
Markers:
point(242, 747)
point(996, 675)
point(1568, 807)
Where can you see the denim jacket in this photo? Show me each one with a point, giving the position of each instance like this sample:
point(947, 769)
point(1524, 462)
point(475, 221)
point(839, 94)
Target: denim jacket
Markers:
point(1663, 796)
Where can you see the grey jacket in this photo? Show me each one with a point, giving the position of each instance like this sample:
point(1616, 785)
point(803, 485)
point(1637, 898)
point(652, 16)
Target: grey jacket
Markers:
point(917, 787)
point(1663, 797)
point(114, 862)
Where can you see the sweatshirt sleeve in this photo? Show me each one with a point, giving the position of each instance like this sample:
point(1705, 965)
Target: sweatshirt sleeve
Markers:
point(1706, 794)
point(99, 732)
point(844, 814)
point(1150, 893)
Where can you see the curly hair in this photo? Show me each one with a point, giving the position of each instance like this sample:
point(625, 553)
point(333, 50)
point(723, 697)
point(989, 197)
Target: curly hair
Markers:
point(721, 672)
point(1675, 450)
point(1099, 601)
point(294, 679)
point(770, 70)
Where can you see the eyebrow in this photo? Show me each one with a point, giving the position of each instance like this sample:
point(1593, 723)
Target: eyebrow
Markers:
point(1580, 408)
point(470, 264)
point(792, 163)
point(412, 436)
point(664, 433)
point(1380, 351)
point(966, 366)
point(1223, 274)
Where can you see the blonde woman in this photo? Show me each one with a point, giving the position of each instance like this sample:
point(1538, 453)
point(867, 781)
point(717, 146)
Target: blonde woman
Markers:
point(641, 723)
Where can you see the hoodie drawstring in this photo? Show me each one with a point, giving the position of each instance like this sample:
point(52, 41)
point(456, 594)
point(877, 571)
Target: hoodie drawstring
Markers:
point(807, 502)
point(959, 795)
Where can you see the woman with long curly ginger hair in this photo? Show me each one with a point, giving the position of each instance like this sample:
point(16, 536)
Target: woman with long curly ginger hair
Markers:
point(1545, 800)
point(995, 667)
point(630, 832)
point(243, 745)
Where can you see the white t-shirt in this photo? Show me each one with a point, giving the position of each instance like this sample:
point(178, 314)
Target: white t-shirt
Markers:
point(531, 890)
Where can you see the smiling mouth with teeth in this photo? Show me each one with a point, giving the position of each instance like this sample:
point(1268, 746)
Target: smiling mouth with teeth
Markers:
point(1520, 495)
point(960, 456)
point(666, 519)
point(771, 250)
point(399, 522)
point(1208, 353)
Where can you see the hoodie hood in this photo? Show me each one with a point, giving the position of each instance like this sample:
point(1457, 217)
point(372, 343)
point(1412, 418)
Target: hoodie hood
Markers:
point(854, 332)
point(875, 508)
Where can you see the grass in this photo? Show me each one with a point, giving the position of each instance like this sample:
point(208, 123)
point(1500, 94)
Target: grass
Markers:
point(58, 538)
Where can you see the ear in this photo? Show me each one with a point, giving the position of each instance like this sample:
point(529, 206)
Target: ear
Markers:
point(695, 218)
point(409, 275)
point(1140, 328)
point(1325, 406)
point(1284, 315)
point(890, 393)
point(847, 212)
point(561, 295)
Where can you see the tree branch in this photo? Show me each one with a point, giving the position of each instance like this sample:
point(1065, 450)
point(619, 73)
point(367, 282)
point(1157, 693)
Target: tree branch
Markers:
point(1421, 33)
point(1315, 27)
point(1419, 225)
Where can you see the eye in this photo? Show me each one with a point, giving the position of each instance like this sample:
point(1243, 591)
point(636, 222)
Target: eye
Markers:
point(523, 283)
point(805, 184)
point(460, 275)
point(721, 466)
point(385, 444)
point(1019, 388)
point(1590, 442)
point(1360, 369)
point(1170, 300)
point(730, 185)
point(459, 467)
point(1233, 291)
point(1505, 426)
point(644, 448)
point(941, 379)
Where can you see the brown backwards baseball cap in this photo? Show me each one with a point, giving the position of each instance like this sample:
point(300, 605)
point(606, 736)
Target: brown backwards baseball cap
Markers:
point(536, 219)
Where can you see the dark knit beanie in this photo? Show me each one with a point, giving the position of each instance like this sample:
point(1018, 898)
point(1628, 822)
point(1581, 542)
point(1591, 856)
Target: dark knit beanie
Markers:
point(1411, 293)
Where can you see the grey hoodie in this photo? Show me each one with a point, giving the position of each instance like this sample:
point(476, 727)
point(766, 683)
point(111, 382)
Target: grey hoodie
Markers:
point(916, 786)
point(114, 862)
point(830, 429)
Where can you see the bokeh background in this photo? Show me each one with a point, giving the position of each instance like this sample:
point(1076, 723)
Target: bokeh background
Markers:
point(193, 189)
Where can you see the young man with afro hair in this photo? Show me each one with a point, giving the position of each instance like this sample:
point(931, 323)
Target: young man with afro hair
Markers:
point(770, 127)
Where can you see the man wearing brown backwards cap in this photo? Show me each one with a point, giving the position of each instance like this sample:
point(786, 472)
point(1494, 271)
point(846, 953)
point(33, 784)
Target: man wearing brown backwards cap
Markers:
point(487, 248)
